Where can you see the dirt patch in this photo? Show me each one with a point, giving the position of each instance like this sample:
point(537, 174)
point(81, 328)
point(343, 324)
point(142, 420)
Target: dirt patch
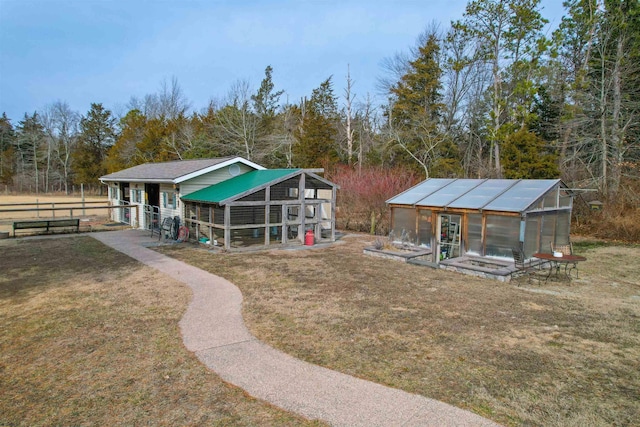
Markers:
point(91, 337)
point(555, 354)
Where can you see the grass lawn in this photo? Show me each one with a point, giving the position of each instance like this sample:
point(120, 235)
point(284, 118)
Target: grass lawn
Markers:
point(555, 354)
point(91, 337)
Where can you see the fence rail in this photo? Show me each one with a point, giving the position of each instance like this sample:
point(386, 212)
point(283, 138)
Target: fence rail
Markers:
point(52, 203)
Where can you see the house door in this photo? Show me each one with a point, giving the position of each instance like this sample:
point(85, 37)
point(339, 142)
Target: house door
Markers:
point(126, 199)
point(152, 206)
point(152, 194)
point(449, 236)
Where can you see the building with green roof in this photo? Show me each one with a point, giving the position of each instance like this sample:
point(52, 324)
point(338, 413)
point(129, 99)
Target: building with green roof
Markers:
point(263, 208)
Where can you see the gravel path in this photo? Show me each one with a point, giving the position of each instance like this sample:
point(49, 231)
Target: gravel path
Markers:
point(214, 330)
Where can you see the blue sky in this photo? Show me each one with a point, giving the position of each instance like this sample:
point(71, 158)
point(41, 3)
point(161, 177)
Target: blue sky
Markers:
point(84, 51)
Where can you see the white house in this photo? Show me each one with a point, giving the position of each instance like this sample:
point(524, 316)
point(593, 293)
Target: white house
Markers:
point(156, 188)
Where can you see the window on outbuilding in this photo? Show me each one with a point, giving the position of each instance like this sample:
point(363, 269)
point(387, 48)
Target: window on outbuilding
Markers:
point(169, 200)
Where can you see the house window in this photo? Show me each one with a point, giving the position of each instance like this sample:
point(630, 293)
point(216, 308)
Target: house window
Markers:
point(136, 195)
point(169, 200)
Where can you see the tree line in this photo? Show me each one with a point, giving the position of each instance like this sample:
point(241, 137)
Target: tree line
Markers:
point(491, 95)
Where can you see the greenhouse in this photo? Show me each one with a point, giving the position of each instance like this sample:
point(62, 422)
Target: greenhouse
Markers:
point(482, 217)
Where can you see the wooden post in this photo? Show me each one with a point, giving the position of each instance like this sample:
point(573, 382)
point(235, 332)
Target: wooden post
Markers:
point(303, 208)
point(210, 222)
point(483, 233)
point(227, 227)
point(285, 227)
point(435, 251)
point(267, 213)
point(82, 193)
point(333, 214)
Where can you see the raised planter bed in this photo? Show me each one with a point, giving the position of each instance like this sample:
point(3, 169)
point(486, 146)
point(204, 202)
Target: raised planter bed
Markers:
point(400, 254)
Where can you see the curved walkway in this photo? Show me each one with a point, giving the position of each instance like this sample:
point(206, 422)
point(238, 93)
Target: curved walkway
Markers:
point(214, 330)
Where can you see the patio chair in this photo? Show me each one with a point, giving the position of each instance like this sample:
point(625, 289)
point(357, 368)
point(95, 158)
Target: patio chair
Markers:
point(566, 250)
point(524, 268)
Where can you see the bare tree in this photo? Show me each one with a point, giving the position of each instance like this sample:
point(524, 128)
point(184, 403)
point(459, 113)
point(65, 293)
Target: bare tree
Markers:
point(169, 103)
point(236, 123)
point(61, 126)
point(348, 113)
point(172, 100)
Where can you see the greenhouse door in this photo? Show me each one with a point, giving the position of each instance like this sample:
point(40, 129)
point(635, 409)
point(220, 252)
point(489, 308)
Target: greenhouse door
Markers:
point(449, 236)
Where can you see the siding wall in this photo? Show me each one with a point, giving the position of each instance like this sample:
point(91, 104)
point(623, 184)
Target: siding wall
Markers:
point(167, 212)
point(209, 179)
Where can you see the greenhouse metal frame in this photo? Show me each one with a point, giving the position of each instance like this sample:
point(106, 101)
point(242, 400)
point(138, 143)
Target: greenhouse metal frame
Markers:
point(482, 217)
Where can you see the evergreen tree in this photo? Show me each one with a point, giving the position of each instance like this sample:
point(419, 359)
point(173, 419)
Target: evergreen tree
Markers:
point(28, 145)
point(265, 101)
point(97, 136)
point(317, 134)
point(415, 113)
point(511, 44)
point(123, 153)
point(525, 156)
point(7, 137)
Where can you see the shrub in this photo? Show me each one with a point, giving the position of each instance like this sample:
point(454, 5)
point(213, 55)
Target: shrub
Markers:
point(363, 192)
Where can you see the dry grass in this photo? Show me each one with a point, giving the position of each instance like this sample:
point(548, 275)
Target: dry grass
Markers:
point(90, 337)
point(557, 354)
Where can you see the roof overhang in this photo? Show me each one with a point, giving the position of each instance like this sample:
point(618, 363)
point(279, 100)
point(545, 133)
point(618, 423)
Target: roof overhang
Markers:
point(218, 166)
point(188, 176)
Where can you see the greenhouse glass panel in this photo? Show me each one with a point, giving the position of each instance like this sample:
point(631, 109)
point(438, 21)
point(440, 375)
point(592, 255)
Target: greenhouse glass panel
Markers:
point(449, 193)
point(565, 199)
point(521, 195)
point(551, 200)
point(424, 228)
point(482, 194)
point(548, 232)
point(532, 235)
point(404, 224)
point(502, 234)
point(562, 228)
point(474, 234)
point(419, 192)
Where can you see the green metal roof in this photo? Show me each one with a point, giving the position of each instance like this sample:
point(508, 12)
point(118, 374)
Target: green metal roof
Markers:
point(239, 185)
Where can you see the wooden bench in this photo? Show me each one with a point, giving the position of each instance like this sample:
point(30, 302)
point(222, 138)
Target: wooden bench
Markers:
point(47, 224)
